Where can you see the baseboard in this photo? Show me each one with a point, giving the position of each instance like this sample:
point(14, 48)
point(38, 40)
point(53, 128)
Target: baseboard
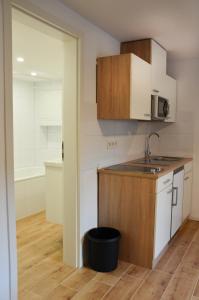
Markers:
point(194, 219)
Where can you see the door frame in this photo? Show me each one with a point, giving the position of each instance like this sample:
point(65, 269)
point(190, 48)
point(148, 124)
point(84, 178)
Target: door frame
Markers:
point(73, 148)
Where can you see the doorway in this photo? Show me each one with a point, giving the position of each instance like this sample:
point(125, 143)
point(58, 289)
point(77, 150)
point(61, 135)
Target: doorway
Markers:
point(45, 126)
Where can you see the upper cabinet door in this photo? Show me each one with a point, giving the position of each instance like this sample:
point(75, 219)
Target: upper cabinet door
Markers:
point(113, 87)
point(123, 88)
point(158, 62)
point(140, 104)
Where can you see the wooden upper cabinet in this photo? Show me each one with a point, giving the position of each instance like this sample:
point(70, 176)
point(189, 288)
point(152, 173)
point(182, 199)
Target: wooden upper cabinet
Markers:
point(141, 48)
point(123, 88)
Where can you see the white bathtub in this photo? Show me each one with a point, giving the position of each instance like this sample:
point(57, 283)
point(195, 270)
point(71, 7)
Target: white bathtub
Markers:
point(29, 191)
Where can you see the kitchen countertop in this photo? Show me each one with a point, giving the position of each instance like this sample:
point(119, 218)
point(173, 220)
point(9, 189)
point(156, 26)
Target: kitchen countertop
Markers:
point(164, 169)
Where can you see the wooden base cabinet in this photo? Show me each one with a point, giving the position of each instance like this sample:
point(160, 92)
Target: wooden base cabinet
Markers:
point(141, 209)
point(123, 88)
point(128, 204)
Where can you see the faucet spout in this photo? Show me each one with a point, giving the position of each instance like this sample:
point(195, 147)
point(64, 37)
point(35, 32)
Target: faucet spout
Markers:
point(147, 146)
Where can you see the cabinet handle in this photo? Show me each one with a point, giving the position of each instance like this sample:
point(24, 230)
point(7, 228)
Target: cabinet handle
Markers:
point(156, 91)
point(186, 178)
point(62, 152)
point(147, 115)
point(169, 192)
point(166, 181)
point(176, 203)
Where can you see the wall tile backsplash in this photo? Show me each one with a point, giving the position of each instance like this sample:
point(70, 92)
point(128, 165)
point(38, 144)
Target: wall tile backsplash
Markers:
point(35, 142)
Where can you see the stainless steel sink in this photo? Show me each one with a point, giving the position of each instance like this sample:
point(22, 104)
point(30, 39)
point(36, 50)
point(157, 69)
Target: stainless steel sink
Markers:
point(159, 160)
point(130, 168)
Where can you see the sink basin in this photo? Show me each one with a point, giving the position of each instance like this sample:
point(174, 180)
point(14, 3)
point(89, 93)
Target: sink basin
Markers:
point(159, 160)
point(130, 168)
point(166, 158)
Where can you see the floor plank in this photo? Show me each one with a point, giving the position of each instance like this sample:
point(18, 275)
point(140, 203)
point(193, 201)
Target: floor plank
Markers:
point(138, 271)
point(196, 291)
point(179, 288)
point(60, 293)
point(192, 255)
point(124, 289)
point(79, 279)
point(153, 286)
point(92, 291)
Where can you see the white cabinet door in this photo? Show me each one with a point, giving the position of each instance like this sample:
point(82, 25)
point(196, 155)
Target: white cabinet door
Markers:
point(158, 58)
point(170, 94)
point(187, 195)
point(159, 61)
point(176, 219)
point(140, 89)
point(163, 220)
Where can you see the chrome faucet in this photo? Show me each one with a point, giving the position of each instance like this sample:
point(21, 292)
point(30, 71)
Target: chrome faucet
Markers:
point(147, 146)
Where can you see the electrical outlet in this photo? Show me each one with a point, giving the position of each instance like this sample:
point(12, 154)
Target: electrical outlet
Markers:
point(111, 145)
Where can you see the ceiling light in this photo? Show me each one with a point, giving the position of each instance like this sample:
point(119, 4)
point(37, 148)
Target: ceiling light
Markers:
point(33, 74)
point(20, 59)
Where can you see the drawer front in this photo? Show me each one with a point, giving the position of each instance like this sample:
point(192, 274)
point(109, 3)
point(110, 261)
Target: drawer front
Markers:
point(164, 182)
point(188, 167)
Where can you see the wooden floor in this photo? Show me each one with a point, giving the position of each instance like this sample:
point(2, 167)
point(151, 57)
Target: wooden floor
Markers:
point(42, 275)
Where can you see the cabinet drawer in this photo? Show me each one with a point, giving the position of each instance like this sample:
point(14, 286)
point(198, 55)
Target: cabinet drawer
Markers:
point(163, 182)
point(188, 167)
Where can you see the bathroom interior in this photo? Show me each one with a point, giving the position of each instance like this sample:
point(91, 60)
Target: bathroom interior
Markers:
point(38, 89)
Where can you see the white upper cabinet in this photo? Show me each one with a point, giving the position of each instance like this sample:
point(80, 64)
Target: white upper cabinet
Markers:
point(162, 84)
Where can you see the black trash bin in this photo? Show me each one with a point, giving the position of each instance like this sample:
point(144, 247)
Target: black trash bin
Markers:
point(103, 248)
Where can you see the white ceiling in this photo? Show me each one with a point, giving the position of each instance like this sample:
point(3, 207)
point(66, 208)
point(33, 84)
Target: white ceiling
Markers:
point(41, 46)
point(172, 23)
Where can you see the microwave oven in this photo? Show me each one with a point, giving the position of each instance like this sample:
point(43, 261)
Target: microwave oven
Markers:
point(159, 108)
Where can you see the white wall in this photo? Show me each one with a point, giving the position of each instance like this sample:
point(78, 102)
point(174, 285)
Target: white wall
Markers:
point(24, 123)
point(30, 196)
point(5, 257)
point(182, 138)
point(36, 105)
point(48, 121)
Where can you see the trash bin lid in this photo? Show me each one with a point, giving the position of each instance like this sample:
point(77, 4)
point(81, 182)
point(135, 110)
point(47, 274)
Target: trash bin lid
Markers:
point(104, 234)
